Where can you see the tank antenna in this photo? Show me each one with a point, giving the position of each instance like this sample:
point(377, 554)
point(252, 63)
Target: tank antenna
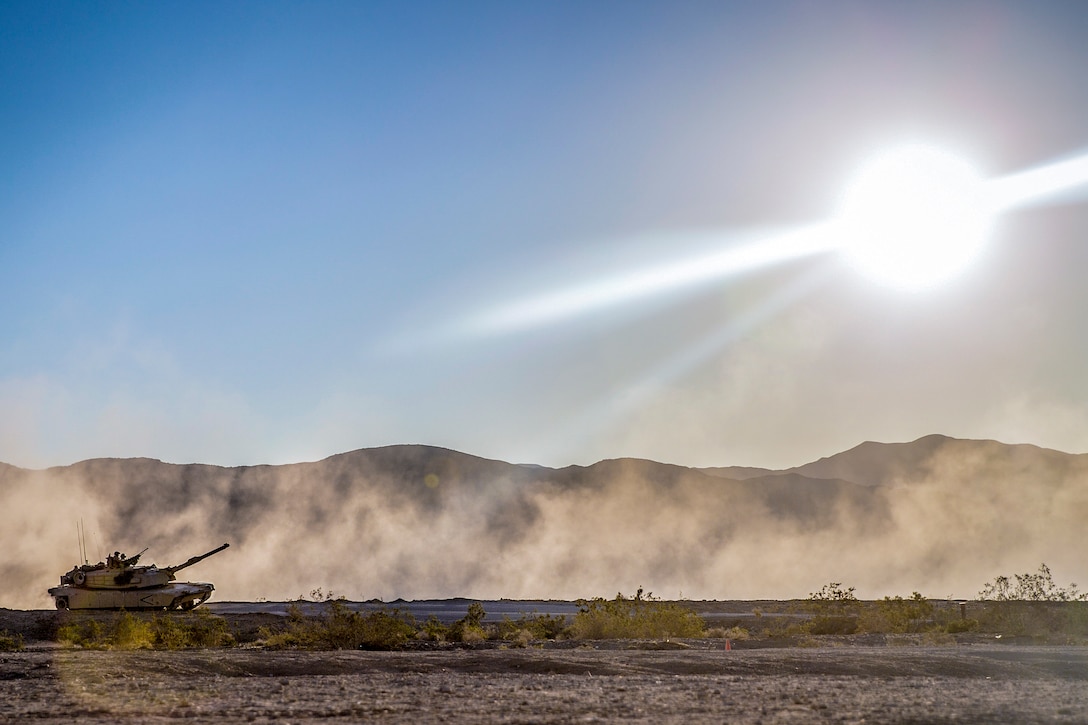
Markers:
point(82, 540)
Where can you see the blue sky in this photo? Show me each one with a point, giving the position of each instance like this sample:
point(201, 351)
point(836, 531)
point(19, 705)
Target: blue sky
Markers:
point(245, 233)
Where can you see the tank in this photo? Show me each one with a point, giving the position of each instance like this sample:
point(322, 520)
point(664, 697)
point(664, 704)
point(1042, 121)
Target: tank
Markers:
point(121, 582)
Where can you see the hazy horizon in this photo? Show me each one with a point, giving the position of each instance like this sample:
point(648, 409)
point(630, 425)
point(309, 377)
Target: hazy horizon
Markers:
point(941, 516)
point(798, 464)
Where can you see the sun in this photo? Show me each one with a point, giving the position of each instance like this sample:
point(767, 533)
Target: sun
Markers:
point(915, 216)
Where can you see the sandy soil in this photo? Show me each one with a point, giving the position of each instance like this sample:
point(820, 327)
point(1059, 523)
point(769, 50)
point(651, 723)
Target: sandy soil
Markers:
point(846, 679)
point(631, 681)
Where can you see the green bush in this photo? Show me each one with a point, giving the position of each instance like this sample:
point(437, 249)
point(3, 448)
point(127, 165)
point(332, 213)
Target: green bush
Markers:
point(433, 630)
point(832, 624)
point(469, 628)
point(342, 628)
point(1033, 606)
point(833, 600)
point(126, 631)
point(1036, 618)
point(959, 626)
point(634, 617)
point(130, 632)
point(10, 642)
point(834, 609)
point(898, 615)
point(165, 631)
point(1037, 587)
point(737, 633)
point(88, 634)
point(533, 627)
point(168, 634)
point(204, 630)
point(473, 635)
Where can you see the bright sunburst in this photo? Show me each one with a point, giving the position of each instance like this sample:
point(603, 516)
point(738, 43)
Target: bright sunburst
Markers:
point(915, 216)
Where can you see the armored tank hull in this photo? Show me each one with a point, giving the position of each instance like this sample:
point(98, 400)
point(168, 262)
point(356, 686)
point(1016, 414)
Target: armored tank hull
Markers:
point(176, 595)
point(119, 583)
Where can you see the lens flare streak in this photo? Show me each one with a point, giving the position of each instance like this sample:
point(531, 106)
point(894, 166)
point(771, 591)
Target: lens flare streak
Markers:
point(779, 248)
point(1052, 182)
point(1059, 181)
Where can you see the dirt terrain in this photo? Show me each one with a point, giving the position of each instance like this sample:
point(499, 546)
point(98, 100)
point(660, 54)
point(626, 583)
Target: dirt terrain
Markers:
point(844, 679)
point(978, 684)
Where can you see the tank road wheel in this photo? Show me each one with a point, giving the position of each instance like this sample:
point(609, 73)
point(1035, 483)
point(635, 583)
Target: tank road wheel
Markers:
point(188, 604)
point(62, 602)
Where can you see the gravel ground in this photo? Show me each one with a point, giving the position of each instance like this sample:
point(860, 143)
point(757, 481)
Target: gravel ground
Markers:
point(636, 682)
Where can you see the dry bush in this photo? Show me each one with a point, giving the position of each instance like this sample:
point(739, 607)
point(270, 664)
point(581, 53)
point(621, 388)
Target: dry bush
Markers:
point(126, 631)
point(341, 628)
point(637, 617)
point(737, 633)
point(469, 628)
point(535, 626)
point(1037, 587)
point(10, 642)
point(165, 631)
point(473, 635)
point(896, 615)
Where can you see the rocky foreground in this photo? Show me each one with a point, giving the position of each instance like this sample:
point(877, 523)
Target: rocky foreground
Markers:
point(844, 679)
point(630, 681)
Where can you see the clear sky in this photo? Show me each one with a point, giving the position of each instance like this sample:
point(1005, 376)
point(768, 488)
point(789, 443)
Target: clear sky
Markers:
point(265, 232)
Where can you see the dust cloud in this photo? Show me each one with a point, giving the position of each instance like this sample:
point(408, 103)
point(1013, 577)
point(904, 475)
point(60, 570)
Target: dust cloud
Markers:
point(941, 516)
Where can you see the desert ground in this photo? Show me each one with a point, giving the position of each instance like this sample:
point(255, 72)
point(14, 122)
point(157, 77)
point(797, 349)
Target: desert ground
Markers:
point(847, 679)
point(623, 681)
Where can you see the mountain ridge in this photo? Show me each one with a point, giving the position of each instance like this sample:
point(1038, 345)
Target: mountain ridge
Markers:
point(419, 521)
point(812, 469)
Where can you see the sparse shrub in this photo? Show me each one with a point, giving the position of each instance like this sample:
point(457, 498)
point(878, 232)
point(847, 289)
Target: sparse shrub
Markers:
point(130, 632)
point(1076, 617)
point(1033, 606)
point(208, 630)
point(342, 628)
point(168, 634)
point(1038, 587)
point(10, 642)
point(522, 638)
point(473, 635)
point(535, 626)
point(126, 631)
point(737, 633)
point(832, 624)
point(635, 617)
point(433, 630)
point(164, 631)
point(1035, 619)
point(833, 599)
point(470, 629)
point(545, 626)
point(898, 615)
point(835, 610)
point(959, 626)
point(87, 634)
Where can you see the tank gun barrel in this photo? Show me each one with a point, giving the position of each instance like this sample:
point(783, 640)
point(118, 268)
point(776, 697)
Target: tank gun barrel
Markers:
point(131, 561)
point(196, 559)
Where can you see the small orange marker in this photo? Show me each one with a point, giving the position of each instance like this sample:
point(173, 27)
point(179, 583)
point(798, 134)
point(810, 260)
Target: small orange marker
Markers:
point(728, 645)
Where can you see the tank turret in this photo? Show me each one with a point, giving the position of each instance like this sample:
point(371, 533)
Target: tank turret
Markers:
point(120, 582)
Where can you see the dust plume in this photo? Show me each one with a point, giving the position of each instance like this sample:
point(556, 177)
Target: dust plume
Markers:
point(939, 515)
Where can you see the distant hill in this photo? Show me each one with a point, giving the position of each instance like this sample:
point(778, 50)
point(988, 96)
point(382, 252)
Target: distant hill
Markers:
point(938, 515)
point(885, 464)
